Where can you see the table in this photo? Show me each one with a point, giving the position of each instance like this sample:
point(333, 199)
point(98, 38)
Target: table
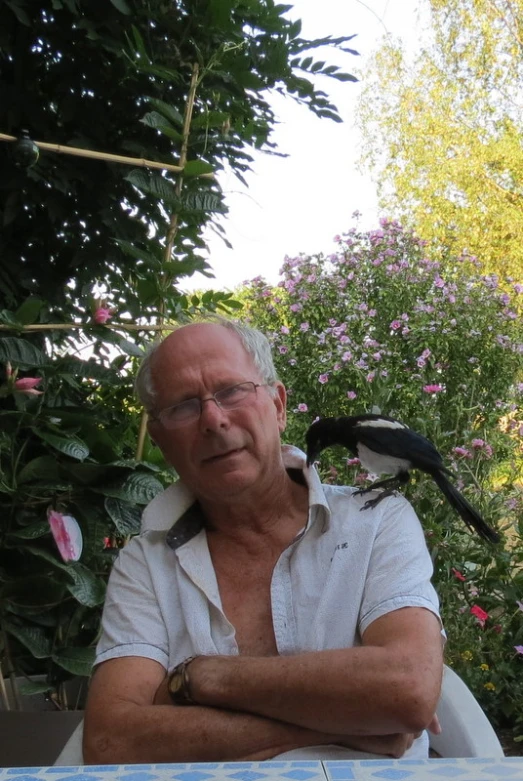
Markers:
point(505, 769)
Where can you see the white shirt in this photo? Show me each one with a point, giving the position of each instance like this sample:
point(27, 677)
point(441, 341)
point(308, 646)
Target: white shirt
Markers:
point(344, 570)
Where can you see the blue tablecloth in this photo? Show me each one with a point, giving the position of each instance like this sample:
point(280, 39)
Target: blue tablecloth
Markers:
point(507, 769)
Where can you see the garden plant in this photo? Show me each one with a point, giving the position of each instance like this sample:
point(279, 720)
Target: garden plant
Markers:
point(378, 325)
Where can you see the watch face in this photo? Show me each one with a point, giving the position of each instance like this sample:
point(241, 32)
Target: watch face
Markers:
point(175, 682)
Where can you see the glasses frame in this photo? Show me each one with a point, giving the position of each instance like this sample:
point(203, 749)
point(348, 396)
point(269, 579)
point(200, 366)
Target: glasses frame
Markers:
point(157, 417)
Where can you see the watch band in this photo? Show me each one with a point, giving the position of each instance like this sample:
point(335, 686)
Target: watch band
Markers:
point(179, 683)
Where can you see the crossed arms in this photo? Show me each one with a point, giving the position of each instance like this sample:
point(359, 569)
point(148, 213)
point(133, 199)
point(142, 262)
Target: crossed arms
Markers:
point(374, 698)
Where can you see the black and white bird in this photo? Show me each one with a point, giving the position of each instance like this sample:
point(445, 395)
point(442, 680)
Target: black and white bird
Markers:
point(386, 446)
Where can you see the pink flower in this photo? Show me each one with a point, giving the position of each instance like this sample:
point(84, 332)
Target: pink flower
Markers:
point(282, 349)
point(304, 327)
point(295, 307)
point(433, 388)
point(477, 443)
point(457, 574)
point(480, 614)
point(323, 378)
point(67, 535)
point(285, 330)
point(351, 395)
point(462, 451)
point(519, 649)
point(303, 408)
point(346, 356)
point(370, 376)
point(102, 315)
point(395, 325)
point(353, 461)
point(27, 385)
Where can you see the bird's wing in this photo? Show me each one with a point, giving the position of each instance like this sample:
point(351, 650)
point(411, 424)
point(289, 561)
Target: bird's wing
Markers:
point(402, 443)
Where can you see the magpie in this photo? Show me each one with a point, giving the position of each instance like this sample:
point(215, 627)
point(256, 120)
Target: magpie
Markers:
point(386, 446)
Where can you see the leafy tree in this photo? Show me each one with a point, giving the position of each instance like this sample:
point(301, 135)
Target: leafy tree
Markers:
point(443, 135)
point(116, 77)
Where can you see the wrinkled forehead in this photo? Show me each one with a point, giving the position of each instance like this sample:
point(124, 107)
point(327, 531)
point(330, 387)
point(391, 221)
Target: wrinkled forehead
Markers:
point(200, 347)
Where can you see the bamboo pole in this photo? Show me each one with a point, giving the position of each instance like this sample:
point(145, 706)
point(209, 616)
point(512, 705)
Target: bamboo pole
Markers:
point(3, 691)
point(173, 223)
point(94, 155)
point(87, 326)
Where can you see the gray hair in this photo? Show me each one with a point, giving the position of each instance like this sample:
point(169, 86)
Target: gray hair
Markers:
point(255, 343)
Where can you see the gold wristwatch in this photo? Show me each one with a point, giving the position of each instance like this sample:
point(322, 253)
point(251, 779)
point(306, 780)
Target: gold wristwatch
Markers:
point(179, 684)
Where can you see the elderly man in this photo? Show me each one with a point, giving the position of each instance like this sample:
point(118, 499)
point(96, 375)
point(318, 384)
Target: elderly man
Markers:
point(259, 614)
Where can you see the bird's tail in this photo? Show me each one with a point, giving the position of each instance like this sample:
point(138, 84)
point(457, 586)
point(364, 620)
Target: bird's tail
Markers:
point(471, 516)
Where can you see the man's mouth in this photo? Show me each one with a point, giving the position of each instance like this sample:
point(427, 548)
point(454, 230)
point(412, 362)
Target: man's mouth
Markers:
point(222, 456)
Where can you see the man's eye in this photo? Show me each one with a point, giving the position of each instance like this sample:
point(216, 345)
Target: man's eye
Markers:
point(230, 393)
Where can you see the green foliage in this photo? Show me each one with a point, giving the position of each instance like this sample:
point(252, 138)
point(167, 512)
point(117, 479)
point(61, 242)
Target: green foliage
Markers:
point(81, 236)
point(101, 76)
point(65, 450)
point(443, 134)
point(439, 346)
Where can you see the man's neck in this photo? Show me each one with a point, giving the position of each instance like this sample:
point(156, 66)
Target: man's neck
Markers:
point(276, 515)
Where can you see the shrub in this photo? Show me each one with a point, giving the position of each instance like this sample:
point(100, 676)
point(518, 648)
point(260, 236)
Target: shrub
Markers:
point(439, 345)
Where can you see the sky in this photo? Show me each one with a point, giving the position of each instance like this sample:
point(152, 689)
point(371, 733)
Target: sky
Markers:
point(300, 202)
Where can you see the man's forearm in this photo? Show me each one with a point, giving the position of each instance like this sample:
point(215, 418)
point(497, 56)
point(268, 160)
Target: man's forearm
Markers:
point(346, 692)
point(167, 733)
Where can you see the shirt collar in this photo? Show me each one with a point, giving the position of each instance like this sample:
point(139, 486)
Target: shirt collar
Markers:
point(177, 512)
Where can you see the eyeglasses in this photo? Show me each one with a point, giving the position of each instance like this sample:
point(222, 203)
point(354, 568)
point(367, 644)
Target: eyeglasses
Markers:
point(190, 410)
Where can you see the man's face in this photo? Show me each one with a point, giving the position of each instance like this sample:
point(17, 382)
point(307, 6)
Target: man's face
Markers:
point(224, 452)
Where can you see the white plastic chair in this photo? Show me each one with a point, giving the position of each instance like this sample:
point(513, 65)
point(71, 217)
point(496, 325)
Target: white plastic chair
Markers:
point(466, 731)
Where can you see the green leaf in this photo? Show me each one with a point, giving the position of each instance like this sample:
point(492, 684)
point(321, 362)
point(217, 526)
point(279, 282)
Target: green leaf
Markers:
point(152, 260)
point(125, 516)
point(20, 353)
point(122, 6)
point(33, 637)
point(32, 531)
point(197, 167)
point(19, 12)
point(155, 185)
point(78, 661)
point(157, 121)
point(232, 304)
point(205, 202)
point(86, 369)
point(42, 468)
point(34, 592)
point(28, 688)
point(71, 446)
point(170, 112)
point(87, 588)
point(138, 488)
point(130, 348)
point(28, 312)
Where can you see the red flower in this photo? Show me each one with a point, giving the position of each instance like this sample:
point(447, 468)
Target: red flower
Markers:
point(458, 575)
point(479, 613)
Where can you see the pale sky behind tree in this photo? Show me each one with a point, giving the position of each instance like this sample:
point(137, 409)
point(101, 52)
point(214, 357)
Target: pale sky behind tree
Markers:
point(299, 203)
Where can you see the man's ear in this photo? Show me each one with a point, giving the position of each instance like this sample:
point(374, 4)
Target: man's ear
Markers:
point(280, 401)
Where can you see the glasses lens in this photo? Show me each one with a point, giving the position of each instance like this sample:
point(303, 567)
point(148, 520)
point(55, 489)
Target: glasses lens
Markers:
point(180, 413)
point(236, 395)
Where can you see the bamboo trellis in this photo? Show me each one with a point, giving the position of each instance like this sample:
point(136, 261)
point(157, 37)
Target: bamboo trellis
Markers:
point(171, 233)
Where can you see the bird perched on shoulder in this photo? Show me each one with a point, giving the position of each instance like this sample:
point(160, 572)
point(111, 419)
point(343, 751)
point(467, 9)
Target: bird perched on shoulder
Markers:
point(386, 446)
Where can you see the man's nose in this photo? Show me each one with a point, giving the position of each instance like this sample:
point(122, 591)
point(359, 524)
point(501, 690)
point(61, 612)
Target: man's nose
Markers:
point(212, 416)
